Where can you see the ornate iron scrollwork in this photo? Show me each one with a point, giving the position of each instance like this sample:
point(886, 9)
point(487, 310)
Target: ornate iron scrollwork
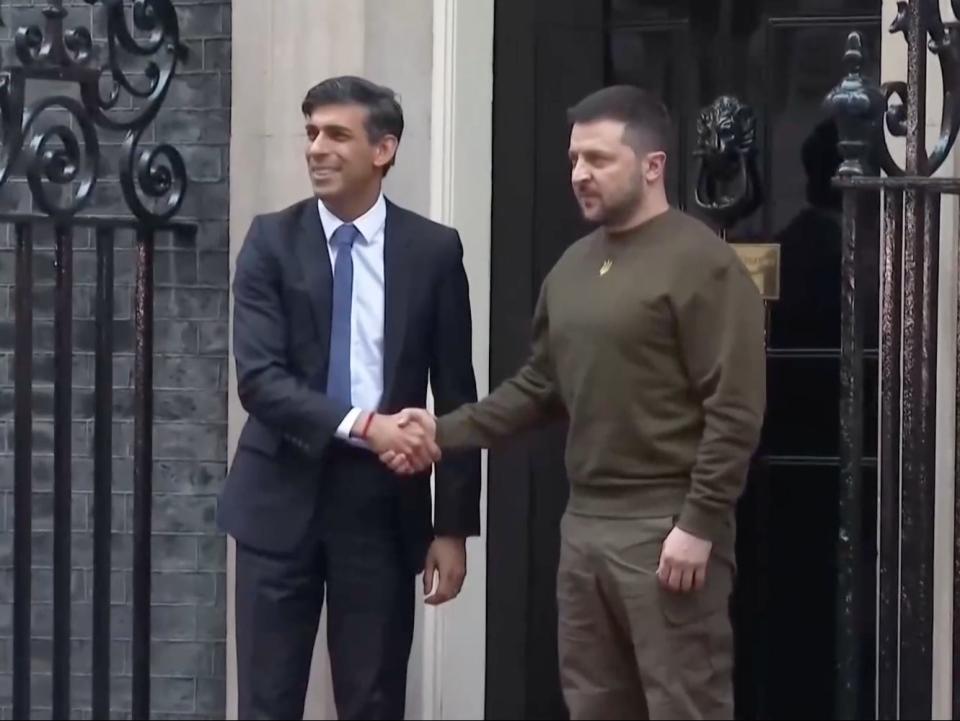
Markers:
point(728, 182)
point(153, 181)
point(944, 43)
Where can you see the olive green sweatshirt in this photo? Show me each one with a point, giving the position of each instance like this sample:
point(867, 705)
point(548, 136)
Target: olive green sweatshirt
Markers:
point(653, 342)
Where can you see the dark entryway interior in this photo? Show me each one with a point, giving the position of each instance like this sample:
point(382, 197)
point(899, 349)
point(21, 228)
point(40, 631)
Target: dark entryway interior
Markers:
point(780, 57)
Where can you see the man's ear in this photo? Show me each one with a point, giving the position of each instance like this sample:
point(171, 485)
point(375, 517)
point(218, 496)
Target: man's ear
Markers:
point(386, 152)
point(656, 166)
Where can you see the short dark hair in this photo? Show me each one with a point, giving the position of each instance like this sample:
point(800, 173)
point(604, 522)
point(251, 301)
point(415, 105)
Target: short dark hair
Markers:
point(384, 117)
point(645, 115)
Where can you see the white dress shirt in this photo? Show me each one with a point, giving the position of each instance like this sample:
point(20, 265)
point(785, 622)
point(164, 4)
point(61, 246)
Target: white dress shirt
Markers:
point(367, 312)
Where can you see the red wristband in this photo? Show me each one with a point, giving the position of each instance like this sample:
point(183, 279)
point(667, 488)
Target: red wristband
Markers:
point(366, 426)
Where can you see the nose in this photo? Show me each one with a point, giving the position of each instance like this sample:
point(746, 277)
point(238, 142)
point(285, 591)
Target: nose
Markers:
point(579, 173)
point(318, 147)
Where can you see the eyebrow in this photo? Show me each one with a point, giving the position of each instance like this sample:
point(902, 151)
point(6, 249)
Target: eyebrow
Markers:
point(328, 128)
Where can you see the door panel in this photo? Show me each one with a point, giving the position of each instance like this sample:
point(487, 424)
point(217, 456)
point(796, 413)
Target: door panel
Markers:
point(780, 57)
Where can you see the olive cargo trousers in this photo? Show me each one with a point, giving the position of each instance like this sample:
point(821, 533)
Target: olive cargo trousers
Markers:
point(630, 649)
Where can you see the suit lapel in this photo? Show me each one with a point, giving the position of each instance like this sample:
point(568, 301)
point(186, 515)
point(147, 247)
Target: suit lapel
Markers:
point(396, 271)
point(311, 250)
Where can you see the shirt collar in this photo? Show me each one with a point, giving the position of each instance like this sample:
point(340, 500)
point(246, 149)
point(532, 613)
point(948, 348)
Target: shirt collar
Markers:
point(369, 224)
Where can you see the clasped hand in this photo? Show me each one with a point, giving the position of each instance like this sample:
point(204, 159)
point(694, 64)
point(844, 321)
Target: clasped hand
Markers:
point(406, 442)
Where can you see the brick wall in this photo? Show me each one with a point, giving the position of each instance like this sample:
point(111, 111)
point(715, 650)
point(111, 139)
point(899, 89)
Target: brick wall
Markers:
point(189, 590)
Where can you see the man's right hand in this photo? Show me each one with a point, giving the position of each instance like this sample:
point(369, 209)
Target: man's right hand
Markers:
point(402, 463)
point(396, 436)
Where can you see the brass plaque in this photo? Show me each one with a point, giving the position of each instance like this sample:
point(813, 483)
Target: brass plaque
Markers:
point(762, 261)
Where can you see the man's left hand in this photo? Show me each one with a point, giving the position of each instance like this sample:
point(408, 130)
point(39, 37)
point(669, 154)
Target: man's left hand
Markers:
point(683, 562)
point(447, 558)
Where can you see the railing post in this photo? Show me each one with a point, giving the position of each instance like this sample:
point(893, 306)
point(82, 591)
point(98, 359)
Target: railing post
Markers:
point(23, 471)
point(103, 474)
point(142, 472)
point(888, 640)
point(62, 482)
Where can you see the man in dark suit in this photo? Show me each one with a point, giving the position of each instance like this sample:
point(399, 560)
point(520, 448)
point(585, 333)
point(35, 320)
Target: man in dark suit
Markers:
point(345, 306)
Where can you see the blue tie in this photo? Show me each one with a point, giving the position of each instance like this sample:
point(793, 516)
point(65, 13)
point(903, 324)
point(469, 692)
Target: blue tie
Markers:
point(338, 374)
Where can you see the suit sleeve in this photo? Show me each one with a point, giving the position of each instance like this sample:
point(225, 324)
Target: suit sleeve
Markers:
point(452, 380)
point(268, 391)
point(528, 399)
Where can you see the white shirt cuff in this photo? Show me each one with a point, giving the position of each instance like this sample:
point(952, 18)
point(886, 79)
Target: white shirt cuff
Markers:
point(346, 425)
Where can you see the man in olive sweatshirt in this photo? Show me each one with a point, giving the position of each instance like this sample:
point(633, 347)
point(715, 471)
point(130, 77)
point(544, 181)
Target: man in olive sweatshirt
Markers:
point(650, 334)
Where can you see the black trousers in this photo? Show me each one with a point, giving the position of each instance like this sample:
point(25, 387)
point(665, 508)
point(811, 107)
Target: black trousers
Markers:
point(355, 563)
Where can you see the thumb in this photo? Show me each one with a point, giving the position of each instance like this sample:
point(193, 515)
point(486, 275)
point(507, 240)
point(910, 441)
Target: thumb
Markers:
point(429, 570)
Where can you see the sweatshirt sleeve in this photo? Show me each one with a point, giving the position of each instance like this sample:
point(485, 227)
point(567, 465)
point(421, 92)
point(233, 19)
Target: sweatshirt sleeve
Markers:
point(721, 328)
point(527, 399)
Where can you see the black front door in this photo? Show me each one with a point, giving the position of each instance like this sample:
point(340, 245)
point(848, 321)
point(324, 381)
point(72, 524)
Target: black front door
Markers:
point(780, 58)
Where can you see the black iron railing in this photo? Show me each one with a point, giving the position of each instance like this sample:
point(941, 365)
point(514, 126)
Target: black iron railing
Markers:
point(62, 165)
point(910, 256)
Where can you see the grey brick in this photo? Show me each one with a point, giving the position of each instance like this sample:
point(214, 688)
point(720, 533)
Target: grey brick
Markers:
point(8, 266)
point(192, 126)
point(179, 623)
point(121, 688)
point(188, 476)
point(42, 586)
point(174, 695)
point(211, 203)
point(43, 511)
point(197, 90)
point(214, 268)
point(43, 370)
point(185, 372)
point(226, 88)
point(122, 474)
point(15, 197)
point(190, 304)
point(214, 234)
point(212, 623)
point(212, 553)
point(184, 588)
point(197, 407)
point(176, 267)
point(122, 438)
point(181, 659)
point(221, 582)
point(211, 695)
point(183, 441)
point(6, 473)
point(85, 336)
point(216, 54)
point(213, 338)
point(205, 162)
point(172, 552)
point(198, 21)
point(179, 337)
point(85, 267)
point(220, 660)
point(193, 62)
point(123, 371)
point(184, 514)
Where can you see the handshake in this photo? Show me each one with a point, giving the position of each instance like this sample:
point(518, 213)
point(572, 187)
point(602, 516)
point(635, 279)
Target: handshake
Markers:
point(406, 442)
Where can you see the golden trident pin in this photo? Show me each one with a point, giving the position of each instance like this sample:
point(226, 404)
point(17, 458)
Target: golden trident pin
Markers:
point(605, 268)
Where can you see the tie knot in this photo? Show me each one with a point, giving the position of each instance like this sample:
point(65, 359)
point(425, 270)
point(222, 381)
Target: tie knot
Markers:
point(344, 236)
